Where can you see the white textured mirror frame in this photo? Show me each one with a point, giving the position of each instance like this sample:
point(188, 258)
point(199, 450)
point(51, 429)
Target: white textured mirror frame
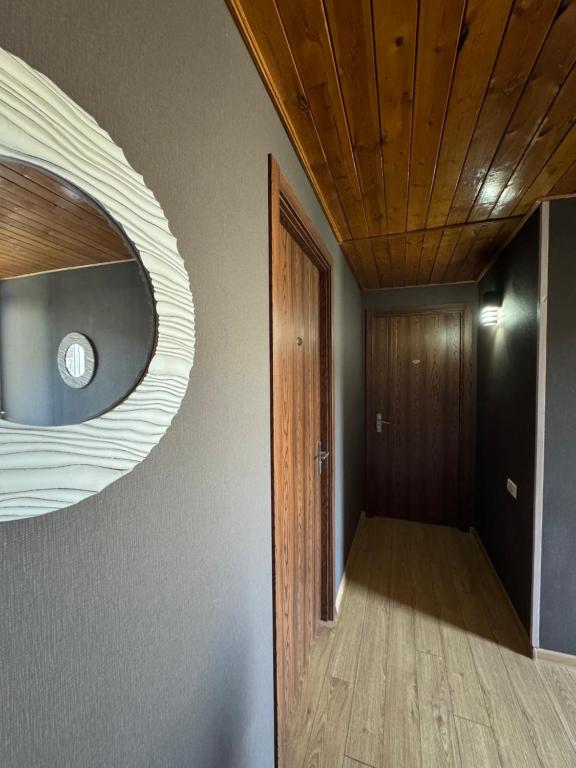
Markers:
point(46, 468)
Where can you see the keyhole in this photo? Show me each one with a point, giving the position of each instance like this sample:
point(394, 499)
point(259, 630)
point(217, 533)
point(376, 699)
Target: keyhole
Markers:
point(299, 341)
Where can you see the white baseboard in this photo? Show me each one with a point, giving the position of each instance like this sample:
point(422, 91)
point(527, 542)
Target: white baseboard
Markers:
point(343, 580)
point(541, 654)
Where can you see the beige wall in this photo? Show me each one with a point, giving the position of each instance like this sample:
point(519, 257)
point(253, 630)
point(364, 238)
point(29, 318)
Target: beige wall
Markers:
point(136, 628)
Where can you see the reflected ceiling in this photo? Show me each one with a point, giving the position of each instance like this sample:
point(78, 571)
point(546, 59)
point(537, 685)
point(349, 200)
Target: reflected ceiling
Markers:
point(45, 225)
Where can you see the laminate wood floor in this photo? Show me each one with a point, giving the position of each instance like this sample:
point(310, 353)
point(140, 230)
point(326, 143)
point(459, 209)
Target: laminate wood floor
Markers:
point(427, 666)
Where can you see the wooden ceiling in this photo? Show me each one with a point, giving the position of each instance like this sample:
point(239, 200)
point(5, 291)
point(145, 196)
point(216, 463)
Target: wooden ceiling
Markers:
point(47, 224)
point(428, 128)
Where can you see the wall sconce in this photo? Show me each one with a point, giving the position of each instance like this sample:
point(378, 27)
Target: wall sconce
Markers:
point(491, 306)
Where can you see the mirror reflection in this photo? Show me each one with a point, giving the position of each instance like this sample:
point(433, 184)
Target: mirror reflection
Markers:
point(66, 269)
point(75, 361)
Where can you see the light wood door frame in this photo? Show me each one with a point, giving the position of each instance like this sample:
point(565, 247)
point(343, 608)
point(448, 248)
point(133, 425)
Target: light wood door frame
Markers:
point(285, 211)
point(467, 427)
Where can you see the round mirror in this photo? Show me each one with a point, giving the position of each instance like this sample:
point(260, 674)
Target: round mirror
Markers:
point(76, 360)
point(72, 290)
point(96, 314)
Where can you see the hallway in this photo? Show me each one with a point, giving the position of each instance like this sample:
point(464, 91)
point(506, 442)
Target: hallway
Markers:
point(427, 666)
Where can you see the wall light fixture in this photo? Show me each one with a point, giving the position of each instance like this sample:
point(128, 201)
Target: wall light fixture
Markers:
point(491, 308)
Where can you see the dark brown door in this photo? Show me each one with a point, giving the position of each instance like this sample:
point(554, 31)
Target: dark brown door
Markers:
point(418, 373)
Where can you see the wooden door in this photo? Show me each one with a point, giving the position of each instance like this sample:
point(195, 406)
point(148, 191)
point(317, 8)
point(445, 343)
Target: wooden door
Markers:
point(301, 428)
point(418, 428)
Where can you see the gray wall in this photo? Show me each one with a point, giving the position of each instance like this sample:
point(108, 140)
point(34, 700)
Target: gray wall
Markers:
point(558, 576)
point(110, 304)
point(507, 362)
point(136, 628)
point(422, 296)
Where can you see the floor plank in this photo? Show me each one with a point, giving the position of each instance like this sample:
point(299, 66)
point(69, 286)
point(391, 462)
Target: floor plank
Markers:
point(477, 745)
point(326, 748)
point(349, 763)
point(467, 698)
point(401, 744)
point(561, 681)
point(347, 641)
point(299, 730)
point(437, 729)
point(423, 568)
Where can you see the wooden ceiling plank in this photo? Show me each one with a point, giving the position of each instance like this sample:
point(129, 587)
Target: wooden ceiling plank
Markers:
point(430, 245)
point(395, 27)
point(566, 184)
point(482, 249)
point(50, 230)
point(359, 254)
point(527, 29)
point(483, 29)
point(17, 199)
point(465, 244)
point(366, 257)
point(556, 59)
point(32, 198)
point(262, 29)
point(397, 246)
point(28, 218)
point(439, 29)
point(44, 185)
point(558, 164)
point(351, 258)
point(17, 240)
point(350, 26)
point(381, 253)
point(414, 242)
point(448, 243)
point(39, 237)
point(306, 29)
point(500, 240)
point(553, 128)
point(50, 191)
point(439, 229)
point(17, 262)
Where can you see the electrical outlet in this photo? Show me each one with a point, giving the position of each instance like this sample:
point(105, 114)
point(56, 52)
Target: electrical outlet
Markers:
point(512, 488)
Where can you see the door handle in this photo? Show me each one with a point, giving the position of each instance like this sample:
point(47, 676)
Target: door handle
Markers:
point(379, 422)
point(321, 457)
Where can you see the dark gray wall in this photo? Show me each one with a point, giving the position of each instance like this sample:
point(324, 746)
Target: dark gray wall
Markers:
point(136, 627)
point(110, 304)
point(558, 576)
point(506, 417)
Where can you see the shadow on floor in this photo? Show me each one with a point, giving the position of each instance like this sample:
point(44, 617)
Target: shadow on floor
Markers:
point(439, 572)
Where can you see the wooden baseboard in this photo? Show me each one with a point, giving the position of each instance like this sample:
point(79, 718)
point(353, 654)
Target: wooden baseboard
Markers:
point(343, 580)
point(541, 654)
point(521, 626)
